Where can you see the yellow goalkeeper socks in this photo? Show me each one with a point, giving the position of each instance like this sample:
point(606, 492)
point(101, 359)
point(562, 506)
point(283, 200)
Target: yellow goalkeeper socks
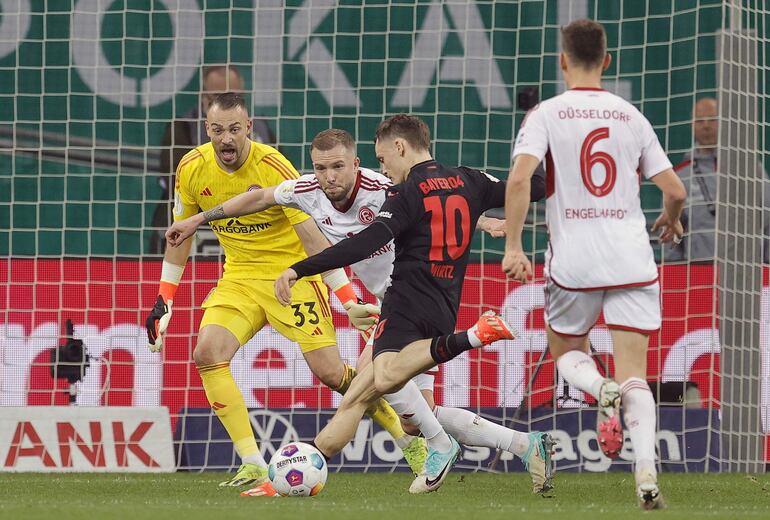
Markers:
point(380, 412)
point(347, 377)
point(226, 400)
point(384, 415)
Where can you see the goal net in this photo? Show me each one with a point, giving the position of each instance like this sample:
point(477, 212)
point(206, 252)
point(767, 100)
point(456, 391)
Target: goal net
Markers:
point(88, 91)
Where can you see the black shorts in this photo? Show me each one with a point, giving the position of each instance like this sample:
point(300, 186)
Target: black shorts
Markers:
point(398, 329)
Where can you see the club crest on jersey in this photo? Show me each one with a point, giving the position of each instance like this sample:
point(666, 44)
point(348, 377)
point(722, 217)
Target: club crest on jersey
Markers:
point(365, 216)
point(254, 187)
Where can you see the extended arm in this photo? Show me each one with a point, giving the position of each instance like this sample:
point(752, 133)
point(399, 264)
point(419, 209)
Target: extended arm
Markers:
point(311, 237)
point(341, 254)
point(517, 198)
point(243, 204)
point(346, 252)
point(361, 315)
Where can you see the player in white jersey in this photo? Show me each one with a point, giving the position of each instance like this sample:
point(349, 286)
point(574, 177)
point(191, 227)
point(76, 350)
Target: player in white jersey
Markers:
point(596, 146)
point(343, 199)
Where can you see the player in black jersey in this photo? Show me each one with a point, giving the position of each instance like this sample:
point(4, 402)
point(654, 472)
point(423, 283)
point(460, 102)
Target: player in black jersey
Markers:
point(431, 213)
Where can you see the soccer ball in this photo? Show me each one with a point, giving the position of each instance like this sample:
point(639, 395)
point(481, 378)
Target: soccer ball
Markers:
point(297, 470)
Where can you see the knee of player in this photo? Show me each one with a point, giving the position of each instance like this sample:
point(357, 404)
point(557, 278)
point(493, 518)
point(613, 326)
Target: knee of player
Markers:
point(205, 354)
point(202, 356)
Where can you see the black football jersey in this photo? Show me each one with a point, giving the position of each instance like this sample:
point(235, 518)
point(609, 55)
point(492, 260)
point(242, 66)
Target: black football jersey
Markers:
point(432, 216)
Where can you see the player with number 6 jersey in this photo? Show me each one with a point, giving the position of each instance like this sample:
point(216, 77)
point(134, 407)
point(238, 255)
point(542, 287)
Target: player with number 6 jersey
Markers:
point(597, 148)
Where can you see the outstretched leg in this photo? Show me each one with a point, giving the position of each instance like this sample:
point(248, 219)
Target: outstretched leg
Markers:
point(342, 428)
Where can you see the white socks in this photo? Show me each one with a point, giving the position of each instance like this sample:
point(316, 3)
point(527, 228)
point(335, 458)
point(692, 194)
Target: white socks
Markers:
point(411, 405)
point(473, 430)
point(473, 337)
point(639, 416)
point(579, 369)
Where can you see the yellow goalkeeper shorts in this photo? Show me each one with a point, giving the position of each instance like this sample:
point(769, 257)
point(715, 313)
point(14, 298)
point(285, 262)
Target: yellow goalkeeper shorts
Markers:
point(244, 306)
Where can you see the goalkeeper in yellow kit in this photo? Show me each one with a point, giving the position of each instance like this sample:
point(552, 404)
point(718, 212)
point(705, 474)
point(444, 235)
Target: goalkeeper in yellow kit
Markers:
point(257, 248)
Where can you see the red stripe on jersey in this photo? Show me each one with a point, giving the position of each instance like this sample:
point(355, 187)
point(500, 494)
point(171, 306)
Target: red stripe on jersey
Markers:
point(373, 187)
point(305, 184)
point(307, 189)
point(367, 188)
point(550, 175)
point(281, 168)
point(683, 164)
point(588, 88)
point(374, 184)
point(188, 158)
point(375, 181)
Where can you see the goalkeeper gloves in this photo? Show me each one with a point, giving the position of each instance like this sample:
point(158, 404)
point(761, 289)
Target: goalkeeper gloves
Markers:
point(362, 315)
point(157, 322)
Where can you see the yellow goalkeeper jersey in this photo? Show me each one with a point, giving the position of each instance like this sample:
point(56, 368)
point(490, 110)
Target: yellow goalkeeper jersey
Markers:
point(258, 246)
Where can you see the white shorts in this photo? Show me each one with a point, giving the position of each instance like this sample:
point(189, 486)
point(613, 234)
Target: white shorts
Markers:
point(573, 313)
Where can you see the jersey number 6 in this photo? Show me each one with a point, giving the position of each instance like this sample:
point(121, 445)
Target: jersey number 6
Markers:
point(589, 158)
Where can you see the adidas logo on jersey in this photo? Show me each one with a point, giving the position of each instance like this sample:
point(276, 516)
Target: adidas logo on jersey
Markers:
point(327, 221)
point(207, 192)
point(317, 332)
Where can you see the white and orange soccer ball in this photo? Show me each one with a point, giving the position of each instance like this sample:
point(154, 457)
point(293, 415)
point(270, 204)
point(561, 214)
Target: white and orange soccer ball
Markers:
point(298, 470)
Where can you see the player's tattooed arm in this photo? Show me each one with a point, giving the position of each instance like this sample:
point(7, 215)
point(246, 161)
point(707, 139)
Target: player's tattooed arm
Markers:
point(215, 213)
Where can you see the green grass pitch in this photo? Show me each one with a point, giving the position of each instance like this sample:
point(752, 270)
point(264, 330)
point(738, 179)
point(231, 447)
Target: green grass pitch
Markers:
point(368, 496)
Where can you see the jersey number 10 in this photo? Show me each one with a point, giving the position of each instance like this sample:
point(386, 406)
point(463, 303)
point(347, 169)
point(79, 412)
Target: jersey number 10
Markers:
point(589, 158)
point(443, 226)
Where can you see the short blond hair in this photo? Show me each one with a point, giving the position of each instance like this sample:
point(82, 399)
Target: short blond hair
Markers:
point(331, 138)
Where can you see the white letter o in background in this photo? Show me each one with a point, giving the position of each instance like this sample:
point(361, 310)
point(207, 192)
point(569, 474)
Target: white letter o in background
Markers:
point(15, 19)
point(107, 82)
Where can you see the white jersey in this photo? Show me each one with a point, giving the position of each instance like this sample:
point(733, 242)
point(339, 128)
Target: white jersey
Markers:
point(338, 224)
point(595, 145)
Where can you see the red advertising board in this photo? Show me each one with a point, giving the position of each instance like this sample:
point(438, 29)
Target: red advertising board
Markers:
point(108, 301)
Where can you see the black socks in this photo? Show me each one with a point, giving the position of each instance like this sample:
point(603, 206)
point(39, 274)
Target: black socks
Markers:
point(444, 348)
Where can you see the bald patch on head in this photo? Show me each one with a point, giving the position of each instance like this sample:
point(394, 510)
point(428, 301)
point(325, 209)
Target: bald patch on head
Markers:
point(705, 124)
point(705, 107)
